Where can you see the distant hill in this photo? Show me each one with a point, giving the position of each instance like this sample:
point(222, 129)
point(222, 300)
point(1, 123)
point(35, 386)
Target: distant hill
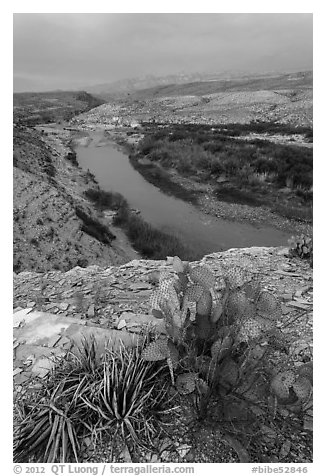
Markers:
point(52, 106)
point(293, 81)
point(199, 84)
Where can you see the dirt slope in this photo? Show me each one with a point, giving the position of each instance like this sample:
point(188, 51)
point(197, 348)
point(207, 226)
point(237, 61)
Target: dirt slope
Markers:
point(54, 226)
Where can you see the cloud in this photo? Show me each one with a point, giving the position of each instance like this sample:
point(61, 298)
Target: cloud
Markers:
point(70, 49)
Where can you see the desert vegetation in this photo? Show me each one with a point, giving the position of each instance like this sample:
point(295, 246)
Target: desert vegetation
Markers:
point(224, 361)
point(150, 242)
point(86, 396)
point(255, 172)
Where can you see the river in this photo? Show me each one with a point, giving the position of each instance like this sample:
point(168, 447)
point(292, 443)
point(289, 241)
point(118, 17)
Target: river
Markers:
point(203, 233)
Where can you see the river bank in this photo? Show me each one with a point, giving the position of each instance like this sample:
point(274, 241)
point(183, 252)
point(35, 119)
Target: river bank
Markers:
point(54, 226)
point(202, 194)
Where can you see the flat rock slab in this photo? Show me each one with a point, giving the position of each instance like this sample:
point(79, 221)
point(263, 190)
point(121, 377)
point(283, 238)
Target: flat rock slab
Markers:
point(47, 337)
point(142, 320)
point(40, 328)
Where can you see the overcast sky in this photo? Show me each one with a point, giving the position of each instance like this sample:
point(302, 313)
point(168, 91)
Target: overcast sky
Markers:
point(75, 50)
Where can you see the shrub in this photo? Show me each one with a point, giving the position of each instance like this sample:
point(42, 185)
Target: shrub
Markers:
point(105, 200)
point(94, 227)
point(152, 243)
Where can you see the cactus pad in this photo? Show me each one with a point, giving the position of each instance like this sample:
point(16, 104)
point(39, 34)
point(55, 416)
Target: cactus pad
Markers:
point(235, 277)
point(216, 312)
point(235, 305)
point(267, 305)
point(204, 327)
point(186, 383)
point(280, 390)
point(165, 276)
point(264, 323)
point(173, 354)
point(281, 383)
point(204, 276)
point(194, 292)
point(302, 388)
point(204, 304)
point(230, 372)
point(155, 300)
point(306, 370)
point(157, 350)
point(250, 329)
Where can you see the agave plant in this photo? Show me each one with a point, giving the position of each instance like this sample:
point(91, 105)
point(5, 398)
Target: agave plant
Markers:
point(130, 399)
point(48, 431)
point(52, 420)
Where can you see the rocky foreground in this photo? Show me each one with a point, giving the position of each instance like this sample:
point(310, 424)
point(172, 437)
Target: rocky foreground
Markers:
point(117, 298)
point(54, 310)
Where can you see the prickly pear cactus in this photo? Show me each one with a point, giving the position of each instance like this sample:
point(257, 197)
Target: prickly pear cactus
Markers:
point(217, 333)
point(204, 304)
point(216, 312)
point(301, 246)
point(157, 350)
point(302, 388)
point(229, 372)
point(194, 292)
point(267, 306)
point(235, 276)
point(281, 383)
point(186, 383)
point(203, 276)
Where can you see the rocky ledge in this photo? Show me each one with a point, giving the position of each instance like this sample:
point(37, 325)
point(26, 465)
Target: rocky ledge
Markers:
point(53, 310)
